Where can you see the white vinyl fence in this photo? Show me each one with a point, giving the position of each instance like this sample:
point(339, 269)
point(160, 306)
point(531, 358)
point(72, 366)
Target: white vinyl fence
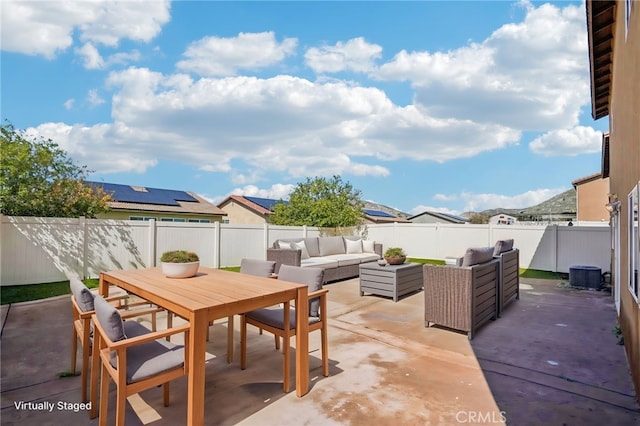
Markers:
point(36, 250)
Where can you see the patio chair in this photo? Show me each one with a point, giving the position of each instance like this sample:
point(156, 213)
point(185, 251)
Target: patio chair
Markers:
point(261, 268)
point(82, 302)
point(281, 321)
point(134, 362)
point(509, 282)
point(462, 297)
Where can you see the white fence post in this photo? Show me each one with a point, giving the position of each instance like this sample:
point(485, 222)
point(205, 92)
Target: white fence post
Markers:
point(152, 241)
point(216, 244)
point(84, 236)
point(265, 240)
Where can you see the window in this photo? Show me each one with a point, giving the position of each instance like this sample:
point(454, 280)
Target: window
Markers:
point(173, 219)
point(634, 243)
point(199, 221)
point(145, 218)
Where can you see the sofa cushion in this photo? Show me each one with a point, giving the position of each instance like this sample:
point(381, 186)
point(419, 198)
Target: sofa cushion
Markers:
point(331, 245)
point(366, 257)
point(475, 255)
point(345, 259)
point(302, 246)
point(502, 246)
point(312, 246)
point(319, 262)
point(368, 246)
point(353, 246)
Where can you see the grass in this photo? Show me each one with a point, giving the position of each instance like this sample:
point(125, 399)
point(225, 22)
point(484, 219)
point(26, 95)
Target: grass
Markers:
point(26, 293)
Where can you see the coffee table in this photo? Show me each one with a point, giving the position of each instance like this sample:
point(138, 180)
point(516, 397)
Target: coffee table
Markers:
point(390, 280)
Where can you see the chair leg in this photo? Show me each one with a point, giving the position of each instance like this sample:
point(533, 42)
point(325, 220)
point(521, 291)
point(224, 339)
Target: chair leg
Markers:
point(165, 394)
point(153, 322)
point(325, 350)
point(286, 347)
point(121, 405)
point(74, 349)
point(243, 342)
point(230, 339)
point(95, 374)
point(84, 374)
point(277, 340)
point(104, 396)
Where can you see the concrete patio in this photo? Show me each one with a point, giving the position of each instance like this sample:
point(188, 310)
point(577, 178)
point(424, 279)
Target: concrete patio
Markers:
point(551, 359)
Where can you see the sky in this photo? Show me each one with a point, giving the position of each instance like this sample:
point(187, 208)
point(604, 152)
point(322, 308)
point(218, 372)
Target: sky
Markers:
point(421, 105)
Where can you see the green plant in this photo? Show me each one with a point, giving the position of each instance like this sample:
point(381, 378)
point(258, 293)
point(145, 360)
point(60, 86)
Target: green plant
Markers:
point(618, 333)
point(179, 256)
point(394, 252)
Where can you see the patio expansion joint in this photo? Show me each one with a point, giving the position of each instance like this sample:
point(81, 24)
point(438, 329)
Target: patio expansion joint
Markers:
point(409, 346)
point(564, 384)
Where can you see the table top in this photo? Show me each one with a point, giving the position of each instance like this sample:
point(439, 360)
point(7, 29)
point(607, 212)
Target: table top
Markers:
point(374, 265)
point(220, 292)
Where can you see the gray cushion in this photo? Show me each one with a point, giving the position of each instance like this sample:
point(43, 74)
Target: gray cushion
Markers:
point(151, 358)
point(83, 296)
point(275, 317)
point(312, 246)
point(502, 246)
point(261, 268)
point(110, 319)
point(331, 245)
point(476, 255)
point(312, 277)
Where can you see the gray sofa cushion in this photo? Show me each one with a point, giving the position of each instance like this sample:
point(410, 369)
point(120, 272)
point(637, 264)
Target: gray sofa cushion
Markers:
point(312, 246)
point(261, 268)
point(331, 245)
point(312, 277)
point(110, 319)
point(83, 296)
point(502, 246)
point(476, 255)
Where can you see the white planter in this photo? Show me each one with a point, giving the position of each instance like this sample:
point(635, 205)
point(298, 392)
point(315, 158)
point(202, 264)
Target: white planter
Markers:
point(180, 270)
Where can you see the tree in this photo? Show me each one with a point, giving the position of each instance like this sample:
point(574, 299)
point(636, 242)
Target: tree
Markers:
point(38, 179)
point(478, 218)
point(328, 203)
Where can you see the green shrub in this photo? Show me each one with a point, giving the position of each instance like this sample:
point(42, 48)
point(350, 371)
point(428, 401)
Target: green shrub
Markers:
point(179, 256)
point(394, 252)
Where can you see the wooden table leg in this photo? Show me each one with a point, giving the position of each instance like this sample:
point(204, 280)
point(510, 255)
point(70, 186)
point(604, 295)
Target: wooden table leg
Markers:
point(196, 379)
point(302, 341)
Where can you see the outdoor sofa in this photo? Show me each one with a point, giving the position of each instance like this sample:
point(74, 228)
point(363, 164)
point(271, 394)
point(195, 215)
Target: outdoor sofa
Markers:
point(339, 257)
point(462, 297)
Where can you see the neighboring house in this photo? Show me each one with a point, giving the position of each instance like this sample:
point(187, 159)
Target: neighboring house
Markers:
point(130, 202)
point(503, 219)
point(592, 196)
point(613, 29)
point(241, 209)
point(437, 217)
point(378, 216)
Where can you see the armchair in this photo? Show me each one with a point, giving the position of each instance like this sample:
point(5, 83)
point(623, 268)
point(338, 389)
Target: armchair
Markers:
point(82, 303)
point(134, 362)
point(462, 297)
point(282, 321)
point(509, 283)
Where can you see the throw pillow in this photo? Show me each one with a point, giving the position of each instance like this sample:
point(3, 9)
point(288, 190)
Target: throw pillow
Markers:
point(284, 245)
point(353, 246)
point(368, 246)
point(302, 246)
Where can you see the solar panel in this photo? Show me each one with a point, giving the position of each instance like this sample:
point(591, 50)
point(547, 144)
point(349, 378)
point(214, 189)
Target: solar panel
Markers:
point(453, 216)
point(266, 203)
point(127, 194)
point(377, 213)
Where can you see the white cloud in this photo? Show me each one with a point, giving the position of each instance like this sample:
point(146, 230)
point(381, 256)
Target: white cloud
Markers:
point(276, 192)
point(575, 141)
point(527, 76)
point(445, 197)
point(68, 104)
point(91, 56)
point(217, 56)
point(47, 27)
point(94, 98)
point(422, 208)
point(354, 55)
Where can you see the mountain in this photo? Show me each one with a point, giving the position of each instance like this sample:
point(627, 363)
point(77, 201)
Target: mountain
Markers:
point(370, 205)
point(561, 205)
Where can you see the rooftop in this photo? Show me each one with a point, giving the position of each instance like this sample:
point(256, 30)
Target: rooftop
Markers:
point(550, 359)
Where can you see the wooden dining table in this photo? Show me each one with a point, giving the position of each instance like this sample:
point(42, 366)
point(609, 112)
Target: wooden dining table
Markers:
point(213, 294)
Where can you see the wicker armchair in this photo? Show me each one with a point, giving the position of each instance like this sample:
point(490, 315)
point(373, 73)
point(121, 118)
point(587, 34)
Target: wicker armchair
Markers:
point(509, 284)
point(461, 297)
